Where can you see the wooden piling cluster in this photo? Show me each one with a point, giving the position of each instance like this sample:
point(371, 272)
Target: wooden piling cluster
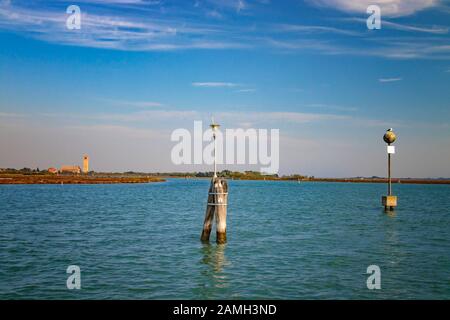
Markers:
point(216, 208)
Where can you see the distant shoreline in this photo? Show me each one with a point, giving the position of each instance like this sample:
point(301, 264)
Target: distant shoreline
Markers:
point(74, 179)
point(341, 180)
point(380, 180)
point(115, 178)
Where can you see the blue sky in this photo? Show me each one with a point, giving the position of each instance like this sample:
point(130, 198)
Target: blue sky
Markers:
point(136, 70)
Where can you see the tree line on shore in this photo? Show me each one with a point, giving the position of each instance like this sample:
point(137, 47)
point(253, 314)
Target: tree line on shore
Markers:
point(238, 175)
point(234, 175)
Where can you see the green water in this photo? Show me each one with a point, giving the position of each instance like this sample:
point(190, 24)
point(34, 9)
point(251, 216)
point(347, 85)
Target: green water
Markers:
point(286, 240)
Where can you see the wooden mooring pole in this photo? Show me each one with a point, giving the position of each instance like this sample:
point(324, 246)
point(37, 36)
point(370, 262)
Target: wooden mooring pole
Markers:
point(216, 207)
point(217, 201)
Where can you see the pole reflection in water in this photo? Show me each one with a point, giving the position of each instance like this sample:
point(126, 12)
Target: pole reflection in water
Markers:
point(391, 214)
point(213, 276)
point(393, 245)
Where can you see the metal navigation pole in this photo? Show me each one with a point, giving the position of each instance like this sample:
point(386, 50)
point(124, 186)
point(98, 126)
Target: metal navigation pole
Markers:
point(389, 201)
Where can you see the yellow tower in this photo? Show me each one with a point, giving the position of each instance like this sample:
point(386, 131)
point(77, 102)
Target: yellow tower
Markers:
point(85, 163)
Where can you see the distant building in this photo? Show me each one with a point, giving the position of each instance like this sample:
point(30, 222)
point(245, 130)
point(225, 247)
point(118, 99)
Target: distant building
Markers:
point(71, 169)
point(85, 163)
point(52, 170)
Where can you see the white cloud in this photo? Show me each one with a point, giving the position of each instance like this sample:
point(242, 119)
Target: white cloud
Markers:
point(278, 118)
point(331, 107)
point(12, 115)
point(214, 84)
point(402, 27)
point(214, 14)
point(240, 5)
point(394, 8)
point(153, 116)
point(137, 104)
point(246, 90)
point(115, 30)
point(144, 104)
point(186, 116)
point(233, 5)
point(148, 2)
point(146, 29)
point(314, 29)
point(389, 79)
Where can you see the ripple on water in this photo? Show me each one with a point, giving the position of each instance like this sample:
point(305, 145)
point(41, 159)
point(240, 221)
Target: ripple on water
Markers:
point(287, 240)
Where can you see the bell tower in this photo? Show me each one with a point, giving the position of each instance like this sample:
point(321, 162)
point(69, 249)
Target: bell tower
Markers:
point(85, 164)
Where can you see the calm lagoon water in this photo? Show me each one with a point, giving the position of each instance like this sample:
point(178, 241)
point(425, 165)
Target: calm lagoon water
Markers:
point(287, 240)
